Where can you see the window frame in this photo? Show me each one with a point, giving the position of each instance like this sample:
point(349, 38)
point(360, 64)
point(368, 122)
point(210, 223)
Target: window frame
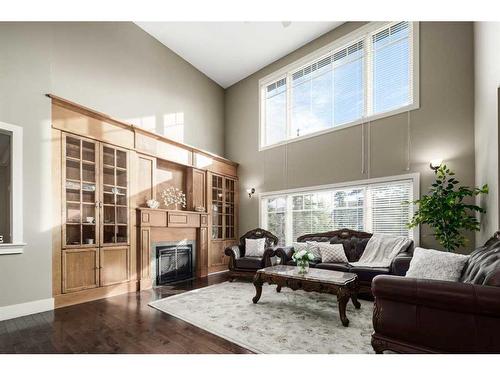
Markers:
point(16, 246)
point(414, 177)
point(362, 33)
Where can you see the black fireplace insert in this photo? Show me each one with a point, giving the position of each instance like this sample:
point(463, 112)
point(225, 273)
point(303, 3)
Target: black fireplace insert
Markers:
point(173, 263)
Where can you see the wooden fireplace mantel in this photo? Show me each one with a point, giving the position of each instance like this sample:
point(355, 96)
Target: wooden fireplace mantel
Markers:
point(157, 225)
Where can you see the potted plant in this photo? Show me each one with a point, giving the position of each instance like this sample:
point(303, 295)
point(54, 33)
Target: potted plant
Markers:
point(446, 211)
point(302, 258)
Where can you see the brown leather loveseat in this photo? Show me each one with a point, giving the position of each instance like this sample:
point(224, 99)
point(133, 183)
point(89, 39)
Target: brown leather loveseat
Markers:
point(429, 316)
point(354, 243)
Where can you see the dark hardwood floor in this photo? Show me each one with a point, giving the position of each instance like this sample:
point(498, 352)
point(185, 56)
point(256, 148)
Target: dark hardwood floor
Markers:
point(121, 324)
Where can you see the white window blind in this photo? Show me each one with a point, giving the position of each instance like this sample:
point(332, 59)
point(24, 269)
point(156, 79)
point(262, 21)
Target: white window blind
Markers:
point(391, 67)
point(370, 75)
point(276, 111)
point(372, 207)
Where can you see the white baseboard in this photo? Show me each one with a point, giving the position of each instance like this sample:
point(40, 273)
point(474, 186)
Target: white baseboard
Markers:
point(28, 308)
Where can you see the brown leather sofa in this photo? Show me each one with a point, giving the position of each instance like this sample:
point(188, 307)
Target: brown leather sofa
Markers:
point(354, 243)
point(429, 316)
point(244, 266)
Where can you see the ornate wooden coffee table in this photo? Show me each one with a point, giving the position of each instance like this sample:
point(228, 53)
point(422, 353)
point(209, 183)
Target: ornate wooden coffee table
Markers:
point(343, 284)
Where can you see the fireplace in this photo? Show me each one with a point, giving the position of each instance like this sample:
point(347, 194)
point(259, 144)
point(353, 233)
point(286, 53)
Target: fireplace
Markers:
point(173, 263)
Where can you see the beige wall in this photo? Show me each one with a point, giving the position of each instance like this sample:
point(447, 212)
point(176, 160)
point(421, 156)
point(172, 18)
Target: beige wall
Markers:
point(441, 127)
point(115, 68)
point(487, 83)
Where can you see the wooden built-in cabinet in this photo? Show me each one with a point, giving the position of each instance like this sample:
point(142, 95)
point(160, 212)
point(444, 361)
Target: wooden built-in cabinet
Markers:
point(223, 196)
point(95, 230)
point(104, 171)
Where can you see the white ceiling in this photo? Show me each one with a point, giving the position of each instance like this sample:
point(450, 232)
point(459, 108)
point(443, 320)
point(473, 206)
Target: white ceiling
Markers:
point(227, 52)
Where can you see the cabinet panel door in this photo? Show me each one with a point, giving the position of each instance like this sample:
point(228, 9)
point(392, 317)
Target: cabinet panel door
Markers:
point(198, 189)
point(80, 269)
point(216, 255)
point(114, 265)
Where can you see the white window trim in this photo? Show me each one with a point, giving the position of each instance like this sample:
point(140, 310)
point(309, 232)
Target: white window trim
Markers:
point(415, 177)
point(17, 244)
point(308, 59)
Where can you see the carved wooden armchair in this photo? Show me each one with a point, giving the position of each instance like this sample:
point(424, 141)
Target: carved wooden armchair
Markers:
point(245, 266)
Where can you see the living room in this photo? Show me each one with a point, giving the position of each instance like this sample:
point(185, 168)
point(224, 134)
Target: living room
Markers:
point(204, 186)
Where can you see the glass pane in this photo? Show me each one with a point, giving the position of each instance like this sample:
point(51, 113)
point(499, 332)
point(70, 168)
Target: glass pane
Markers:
point(72, 170)
point(88, 193)
point(121, 197)
point(73, 213)
point(88, 213)
point(72, 195)
point(88, 172)
point(108, 157)
point(108, 233)
point(121, 215)
point(109, 215)
point(391, 68)
point(348, 101)
point(73, 234)
point(276, 225)
point(73, 147)
point(109, 198)
point(121, 235)
point(275, 116)
point(88, 234)
point(108, 176)
point(121, 177)
point(88, 151)
point(121, 159)
point(312, 97)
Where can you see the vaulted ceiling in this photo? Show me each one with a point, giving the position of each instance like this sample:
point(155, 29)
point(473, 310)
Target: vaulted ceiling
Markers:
point(227, 52)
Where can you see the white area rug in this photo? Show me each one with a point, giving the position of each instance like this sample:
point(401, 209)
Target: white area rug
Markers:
point(286, 322)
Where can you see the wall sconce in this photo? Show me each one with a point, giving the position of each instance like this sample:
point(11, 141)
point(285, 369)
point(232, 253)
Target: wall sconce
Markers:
point(435, 164)
point(250, 192)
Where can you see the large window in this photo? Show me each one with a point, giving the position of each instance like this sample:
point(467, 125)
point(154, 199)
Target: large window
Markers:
point(11, 191)
point(5, 198)
point(368, 74)
point(376, 206)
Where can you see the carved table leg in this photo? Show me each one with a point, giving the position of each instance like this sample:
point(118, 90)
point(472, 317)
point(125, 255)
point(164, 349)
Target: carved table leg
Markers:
point(278, 288)
point(343, 297)
point(354, 295)
point(257, 282)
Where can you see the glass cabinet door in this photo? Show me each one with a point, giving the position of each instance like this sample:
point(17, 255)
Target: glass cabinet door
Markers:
point(229, 209)
point(114, 196)
point(217, 207)
point(79, 192)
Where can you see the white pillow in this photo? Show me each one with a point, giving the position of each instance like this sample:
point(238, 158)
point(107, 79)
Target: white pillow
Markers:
point(255, 247)
point(436, 265)
point(313, 247)
point(332, 253)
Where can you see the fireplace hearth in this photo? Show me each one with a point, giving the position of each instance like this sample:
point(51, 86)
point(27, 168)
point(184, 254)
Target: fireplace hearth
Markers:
point(173, 263)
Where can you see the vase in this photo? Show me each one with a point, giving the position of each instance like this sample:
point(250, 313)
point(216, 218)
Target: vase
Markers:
point(303, 267)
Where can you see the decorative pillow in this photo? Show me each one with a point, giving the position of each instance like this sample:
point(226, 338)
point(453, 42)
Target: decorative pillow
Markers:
point(313, 247)
point(332, 253)
point(436, 265)
point(298, 246)
point(255, 247)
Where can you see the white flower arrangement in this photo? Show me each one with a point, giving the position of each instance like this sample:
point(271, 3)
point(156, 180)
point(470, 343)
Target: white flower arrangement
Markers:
point(303, 255)
point(173, 195)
